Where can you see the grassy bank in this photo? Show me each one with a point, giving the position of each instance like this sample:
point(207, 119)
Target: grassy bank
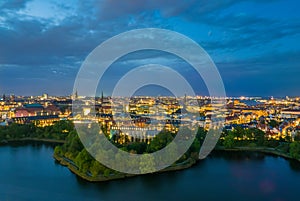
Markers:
point(101, 178)
point(265, 150)
point(74, 169)
point(181, 166)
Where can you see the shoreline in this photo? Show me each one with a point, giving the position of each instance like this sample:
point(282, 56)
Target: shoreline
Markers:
point(7, 142)
point(264, 150)
point(184, 165)
point(187, 164)
point(74, 169)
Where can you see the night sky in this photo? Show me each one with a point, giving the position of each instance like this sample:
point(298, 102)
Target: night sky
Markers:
point(255, 44)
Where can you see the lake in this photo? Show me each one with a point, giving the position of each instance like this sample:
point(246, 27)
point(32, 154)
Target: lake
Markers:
point(28, 172)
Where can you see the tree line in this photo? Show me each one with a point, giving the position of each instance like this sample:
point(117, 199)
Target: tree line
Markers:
point(58, 131)
point(73, 150)
point(253, 137)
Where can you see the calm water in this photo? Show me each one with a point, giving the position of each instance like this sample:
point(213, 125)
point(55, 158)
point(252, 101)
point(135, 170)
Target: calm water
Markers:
point(29, 172)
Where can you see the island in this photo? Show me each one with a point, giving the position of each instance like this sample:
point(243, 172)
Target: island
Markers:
point(73, 155)
point(70, 152)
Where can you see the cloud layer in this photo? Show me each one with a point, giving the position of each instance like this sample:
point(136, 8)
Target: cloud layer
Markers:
point(43, 43)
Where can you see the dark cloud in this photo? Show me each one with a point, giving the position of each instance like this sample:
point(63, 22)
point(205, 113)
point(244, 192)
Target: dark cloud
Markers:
point(33, 42)
point(191, 9)
point(266, 63)
point(273, 74)
point(241, 31)
point(35, 47)
point(114, 8)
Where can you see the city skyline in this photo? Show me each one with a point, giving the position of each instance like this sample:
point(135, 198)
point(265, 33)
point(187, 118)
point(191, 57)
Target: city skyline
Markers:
point(8, 95)
point(149, 100)
point(253, 43)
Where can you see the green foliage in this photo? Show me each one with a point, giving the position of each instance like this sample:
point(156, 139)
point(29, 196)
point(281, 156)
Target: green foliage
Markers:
point(160, 141)
point(201, 134)
point(295, 150)
point(243, 137)
point(58, 150)
point(74, 150)
point(259, 136)
point(72, 147)
point(195, 147)
point(229, 141)
point(58, 131)
point(284, 147)
point(107, 172)
point(137, 147)
point(83, 161)
point(96, 168)
point(147, 164)
point(271, 143)
point(252, 144)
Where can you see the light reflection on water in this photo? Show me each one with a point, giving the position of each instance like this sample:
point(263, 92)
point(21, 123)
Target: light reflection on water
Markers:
point(28, 172)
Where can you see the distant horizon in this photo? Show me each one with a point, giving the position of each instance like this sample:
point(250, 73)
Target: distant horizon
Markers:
point(150, 90)
point(198, 94)
point(65, 95)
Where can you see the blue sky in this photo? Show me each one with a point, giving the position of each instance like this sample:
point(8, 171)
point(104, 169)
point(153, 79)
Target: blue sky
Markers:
point(254, 43)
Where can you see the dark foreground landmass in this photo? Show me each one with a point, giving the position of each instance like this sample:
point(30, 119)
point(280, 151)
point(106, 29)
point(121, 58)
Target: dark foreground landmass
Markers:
point(78, 160)
point(71, 153)
point(187, 164)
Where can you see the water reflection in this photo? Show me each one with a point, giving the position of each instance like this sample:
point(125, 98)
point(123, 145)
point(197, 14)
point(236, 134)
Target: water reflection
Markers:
point(222, 175)
point(238, 155)
point(294, 165)
point(29, 143)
